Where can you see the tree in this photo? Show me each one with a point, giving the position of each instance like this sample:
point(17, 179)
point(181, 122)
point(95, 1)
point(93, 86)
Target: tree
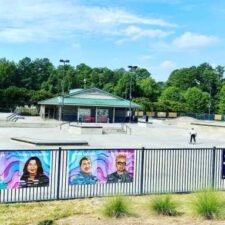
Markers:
point(222, 100)
point(197, 100)
point(172, 94)
point(41, 70)
point(36, 96)
point(148, 88)
point(183, 78)
point(25, 73)
point(141, 73)
point(16, 97)
point(8, 75)
point(83, 73)
point(146, 104)
point(170, 106)
point(122, 87)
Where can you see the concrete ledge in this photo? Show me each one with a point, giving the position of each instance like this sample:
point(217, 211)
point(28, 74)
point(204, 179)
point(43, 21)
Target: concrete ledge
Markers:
point(144, 124)
point(209, 125)
point(27, 125)
point(85, 129)
point(49, 142)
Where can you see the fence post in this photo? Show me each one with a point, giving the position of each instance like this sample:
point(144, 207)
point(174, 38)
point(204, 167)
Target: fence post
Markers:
point(213, 166)
point(59, 173)
point(142, 170)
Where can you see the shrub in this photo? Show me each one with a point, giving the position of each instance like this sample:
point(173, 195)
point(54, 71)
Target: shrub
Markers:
point(164, 205)
point(208, 204)
point(46, 222)
point(116, 207)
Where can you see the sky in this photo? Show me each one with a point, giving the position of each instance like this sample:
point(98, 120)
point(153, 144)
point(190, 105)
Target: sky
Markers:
point(159, 35)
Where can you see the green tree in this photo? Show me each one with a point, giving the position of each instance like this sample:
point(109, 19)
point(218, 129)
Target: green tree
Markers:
point(222, 100)
point(36, 96)
point(16, 97)
point(148, 88)
point(146, 104)
point(172, 94)
point(197, 100)
point(183, 78)
point(83, 74)
point(170, 106)
point(8, 76)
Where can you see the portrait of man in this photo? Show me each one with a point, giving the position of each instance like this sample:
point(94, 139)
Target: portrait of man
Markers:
point(120, 175)
point(85, 176)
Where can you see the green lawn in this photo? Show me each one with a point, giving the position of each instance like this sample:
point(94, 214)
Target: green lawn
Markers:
point(58, 211)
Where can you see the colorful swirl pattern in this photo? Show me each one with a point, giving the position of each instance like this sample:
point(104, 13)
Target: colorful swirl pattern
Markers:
point(103, 162)
point(12, 164)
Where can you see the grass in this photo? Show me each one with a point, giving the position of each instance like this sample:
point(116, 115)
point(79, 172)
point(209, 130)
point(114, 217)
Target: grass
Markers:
point(89, 210)
point(26, 213)
point(117, 207)
point(208, 204)
point(164, 205)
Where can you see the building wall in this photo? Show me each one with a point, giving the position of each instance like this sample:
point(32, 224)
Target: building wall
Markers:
point(70, 113)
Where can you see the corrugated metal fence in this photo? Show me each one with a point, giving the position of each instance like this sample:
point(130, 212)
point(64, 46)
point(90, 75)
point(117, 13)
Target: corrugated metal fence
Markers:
point(155, 171)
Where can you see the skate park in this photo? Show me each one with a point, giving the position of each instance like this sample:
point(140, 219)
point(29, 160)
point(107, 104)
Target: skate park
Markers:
point(160, 133)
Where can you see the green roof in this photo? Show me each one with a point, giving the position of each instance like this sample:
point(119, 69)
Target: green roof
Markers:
point(90, 102)
point(75, 91)
point(71, 99)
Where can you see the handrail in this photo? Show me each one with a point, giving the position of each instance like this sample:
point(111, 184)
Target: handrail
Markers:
point(64, 123)
point(126, 128)
point(15, 118)
point(11, 116)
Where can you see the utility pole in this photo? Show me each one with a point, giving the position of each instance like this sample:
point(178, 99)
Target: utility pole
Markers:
point(62, 83)
point(210, 95)
point(132, 70)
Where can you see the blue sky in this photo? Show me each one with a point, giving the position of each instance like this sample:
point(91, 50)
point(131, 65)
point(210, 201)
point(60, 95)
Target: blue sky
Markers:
point(159, 35)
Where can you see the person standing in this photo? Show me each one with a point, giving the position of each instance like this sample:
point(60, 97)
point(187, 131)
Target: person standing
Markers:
point(193, 135)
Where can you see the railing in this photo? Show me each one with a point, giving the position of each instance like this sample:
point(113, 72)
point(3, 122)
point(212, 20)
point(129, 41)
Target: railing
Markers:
point(14, 117)
point(63, 123)
point(126, 128)
point(150, 171)
point(11, 116)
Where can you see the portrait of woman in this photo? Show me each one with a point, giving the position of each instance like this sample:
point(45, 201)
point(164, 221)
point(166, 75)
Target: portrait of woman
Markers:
point(33, 174)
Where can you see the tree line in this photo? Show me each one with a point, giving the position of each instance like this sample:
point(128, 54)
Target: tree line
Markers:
point(198, 89)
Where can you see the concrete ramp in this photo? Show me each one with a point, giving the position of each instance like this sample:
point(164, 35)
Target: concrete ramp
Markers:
point(35, 141)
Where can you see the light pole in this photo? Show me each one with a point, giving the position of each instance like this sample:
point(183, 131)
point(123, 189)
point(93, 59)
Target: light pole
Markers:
point(85, 80)
point(132, 69)
point(210, 90)
point(64, 63)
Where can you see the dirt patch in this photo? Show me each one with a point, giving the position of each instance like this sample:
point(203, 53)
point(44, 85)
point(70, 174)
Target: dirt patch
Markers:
point(139, 220)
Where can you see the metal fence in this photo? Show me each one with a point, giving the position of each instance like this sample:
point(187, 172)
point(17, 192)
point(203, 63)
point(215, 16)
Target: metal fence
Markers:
point(155, 171)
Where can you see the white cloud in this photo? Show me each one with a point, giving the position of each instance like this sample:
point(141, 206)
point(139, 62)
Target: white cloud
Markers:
point(29, 20)
point(136, 32)
point(168, 65)
point(193, 40)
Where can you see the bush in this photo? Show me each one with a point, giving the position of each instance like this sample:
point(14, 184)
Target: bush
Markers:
point(208, 204)
point(116, 207)
point(46, 222)
point(164, 205)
